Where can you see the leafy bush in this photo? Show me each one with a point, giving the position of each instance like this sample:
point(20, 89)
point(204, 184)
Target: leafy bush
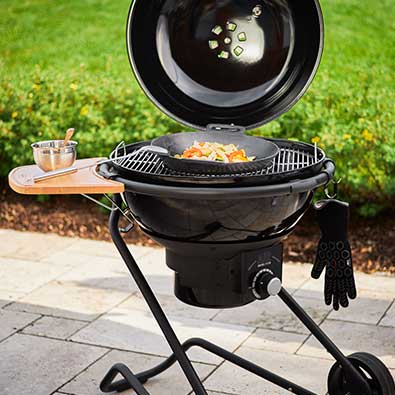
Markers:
point(352, 129)
point(102, 110)
point(356, 131)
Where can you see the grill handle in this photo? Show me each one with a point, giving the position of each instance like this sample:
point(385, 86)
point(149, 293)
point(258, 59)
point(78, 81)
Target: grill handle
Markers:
point(328, 171)
point(215, 193)
point(219, 127)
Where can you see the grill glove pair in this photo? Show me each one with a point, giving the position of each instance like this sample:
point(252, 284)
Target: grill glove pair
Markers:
point(334, 253)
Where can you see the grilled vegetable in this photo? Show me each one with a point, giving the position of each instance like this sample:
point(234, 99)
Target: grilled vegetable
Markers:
point(227, 153)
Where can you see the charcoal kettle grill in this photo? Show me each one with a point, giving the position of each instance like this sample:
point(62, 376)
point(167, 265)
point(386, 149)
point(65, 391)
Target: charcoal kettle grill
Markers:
point(237, 65)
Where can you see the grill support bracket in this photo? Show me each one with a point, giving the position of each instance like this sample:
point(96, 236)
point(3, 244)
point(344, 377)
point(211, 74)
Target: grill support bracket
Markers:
point(134, 381)
point(125, 213)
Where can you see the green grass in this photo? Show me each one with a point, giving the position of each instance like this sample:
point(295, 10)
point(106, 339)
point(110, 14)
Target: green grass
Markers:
point(46, 46)
point(62, 35)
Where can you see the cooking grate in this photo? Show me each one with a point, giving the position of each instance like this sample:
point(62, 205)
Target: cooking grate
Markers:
point(292, 157)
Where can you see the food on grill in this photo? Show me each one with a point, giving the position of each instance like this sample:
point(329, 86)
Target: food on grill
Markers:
point(227, 153)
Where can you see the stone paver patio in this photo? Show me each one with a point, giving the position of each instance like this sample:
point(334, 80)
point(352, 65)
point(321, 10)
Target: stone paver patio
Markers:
point(69, 310)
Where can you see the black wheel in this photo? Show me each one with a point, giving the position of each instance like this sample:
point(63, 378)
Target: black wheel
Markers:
point(376, 373)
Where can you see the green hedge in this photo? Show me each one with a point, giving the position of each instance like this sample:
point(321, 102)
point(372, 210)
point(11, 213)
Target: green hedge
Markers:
point(101, 108)
point(356, 130)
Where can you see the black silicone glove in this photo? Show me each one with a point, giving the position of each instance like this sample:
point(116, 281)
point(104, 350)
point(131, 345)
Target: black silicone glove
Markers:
point(334, 253)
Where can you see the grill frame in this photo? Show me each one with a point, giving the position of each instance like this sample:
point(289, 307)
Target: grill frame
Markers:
point(151, 169)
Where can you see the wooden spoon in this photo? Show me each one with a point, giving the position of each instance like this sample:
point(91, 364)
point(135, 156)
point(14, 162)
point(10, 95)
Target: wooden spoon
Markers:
point(69, 135)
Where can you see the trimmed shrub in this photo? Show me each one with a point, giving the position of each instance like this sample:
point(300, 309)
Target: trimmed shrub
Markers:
point(356, 130)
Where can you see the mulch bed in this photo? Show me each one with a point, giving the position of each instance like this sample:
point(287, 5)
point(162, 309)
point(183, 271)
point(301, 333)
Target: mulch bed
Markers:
point(373, 240)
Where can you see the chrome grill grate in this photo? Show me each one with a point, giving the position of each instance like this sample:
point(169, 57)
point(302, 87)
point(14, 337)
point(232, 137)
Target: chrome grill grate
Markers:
point(290, 159)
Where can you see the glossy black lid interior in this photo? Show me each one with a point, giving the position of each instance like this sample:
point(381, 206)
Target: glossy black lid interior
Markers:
point(237, 62)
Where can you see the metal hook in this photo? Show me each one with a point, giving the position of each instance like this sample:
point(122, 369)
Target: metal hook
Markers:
point(120, 146)
point(335, 189)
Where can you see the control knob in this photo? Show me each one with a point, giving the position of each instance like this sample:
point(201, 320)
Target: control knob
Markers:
point(265, 284)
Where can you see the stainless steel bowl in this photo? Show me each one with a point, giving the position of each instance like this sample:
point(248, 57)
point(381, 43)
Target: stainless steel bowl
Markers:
point(52, 155)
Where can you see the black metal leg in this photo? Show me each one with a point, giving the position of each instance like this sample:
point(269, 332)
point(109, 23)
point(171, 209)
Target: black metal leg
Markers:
point(130, 380)
point(121, 385)
point(361, 386)
point(153, 303)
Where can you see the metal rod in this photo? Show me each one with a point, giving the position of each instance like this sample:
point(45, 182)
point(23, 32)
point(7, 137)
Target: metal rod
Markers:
point(98, 202)
point(117, 207)
point(153, 303)
point(56, 173)
point(361, 386)
point(251, 367)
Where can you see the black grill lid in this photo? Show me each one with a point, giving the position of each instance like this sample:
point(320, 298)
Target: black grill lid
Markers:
point(242, 62)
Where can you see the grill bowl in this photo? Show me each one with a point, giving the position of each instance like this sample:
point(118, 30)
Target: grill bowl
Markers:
point(52, 155)
point(217, 220)
point(222, 208)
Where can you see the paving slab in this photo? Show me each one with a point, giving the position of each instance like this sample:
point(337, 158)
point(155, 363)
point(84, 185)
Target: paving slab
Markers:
point(171, 305)
point(271, 340)
point(137, 331)
point(77, 255)
point(77, 281)
point(69, 300)
point(58, 328)
point(73, 259)
point(32, 365)
point(312, 289)
point(308, 372)
point(102, 248)
point(158, 275)
point(389, 317)
point(100, 272)
point(352, 337)
point(8, 296)
point(295, 275)
point(368, 308)
point(272, 313)
point(13, 321)
point(111, 273)
point(171, 382)
point(31, 246)
point(24, 276)
point(375, 284)
point(379, 282)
